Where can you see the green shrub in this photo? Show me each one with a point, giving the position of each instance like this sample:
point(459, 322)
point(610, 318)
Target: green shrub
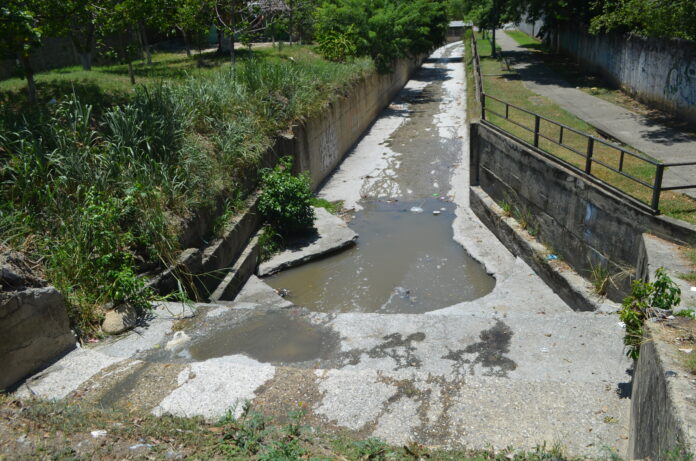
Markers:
point(285, 202)
point(645, 298)
point(337, 46)
point(385, 30)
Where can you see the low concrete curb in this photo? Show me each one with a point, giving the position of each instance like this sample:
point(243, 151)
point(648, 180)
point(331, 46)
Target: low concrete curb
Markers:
point(571, 287)
point(332, 235)
point(663, 413)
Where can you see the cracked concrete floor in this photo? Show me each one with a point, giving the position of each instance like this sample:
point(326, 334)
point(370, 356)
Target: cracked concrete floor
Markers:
point(517, 367)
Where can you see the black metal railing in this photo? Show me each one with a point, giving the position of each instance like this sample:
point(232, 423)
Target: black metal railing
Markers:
point(589, 143)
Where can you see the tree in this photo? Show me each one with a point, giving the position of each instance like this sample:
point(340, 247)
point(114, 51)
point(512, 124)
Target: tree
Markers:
point(76, 19)
point(557, 14)
point(118, 26)
point(382, 29)
point(243, 18)
point(673, 19)
point(193, 19)
point(20, 33)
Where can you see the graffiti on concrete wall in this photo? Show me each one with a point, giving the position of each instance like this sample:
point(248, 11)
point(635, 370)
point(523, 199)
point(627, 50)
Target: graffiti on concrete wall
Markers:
point(681, 83)
point(328, 146)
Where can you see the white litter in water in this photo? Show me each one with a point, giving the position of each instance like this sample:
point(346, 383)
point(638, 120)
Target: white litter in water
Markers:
point(436, 212)
point(436, 185)
point(443, 209)
point(693, 288)
point(416, 209)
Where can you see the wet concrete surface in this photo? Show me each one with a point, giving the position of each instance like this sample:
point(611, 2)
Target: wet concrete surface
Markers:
point(263, 334)
point(272, 336)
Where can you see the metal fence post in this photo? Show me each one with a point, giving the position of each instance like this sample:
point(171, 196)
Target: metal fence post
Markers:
point(483, 106)
point(657, 187)
point(537, 122)
point(590, 151)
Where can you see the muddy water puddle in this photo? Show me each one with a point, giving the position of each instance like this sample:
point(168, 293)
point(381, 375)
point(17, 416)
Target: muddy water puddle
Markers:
point(269, 336)
point(405, 261)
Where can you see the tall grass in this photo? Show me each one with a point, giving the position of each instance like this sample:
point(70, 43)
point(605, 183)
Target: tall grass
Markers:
point(100, 198)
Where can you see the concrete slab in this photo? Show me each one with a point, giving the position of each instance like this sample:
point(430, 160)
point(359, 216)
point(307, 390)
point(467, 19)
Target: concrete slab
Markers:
point(256, 291)
point(332, 235)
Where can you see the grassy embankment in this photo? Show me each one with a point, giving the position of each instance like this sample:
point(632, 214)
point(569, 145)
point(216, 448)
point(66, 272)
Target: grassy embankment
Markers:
point(97, 180)
point(62, 431)
point(504, 83)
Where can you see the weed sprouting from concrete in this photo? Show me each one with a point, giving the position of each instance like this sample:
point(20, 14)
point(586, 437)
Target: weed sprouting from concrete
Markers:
point(600, 278)
point(647, 299)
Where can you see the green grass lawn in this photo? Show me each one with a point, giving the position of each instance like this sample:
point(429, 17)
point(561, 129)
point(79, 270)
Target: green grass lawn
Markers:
point(106, 85)
point(505, 84)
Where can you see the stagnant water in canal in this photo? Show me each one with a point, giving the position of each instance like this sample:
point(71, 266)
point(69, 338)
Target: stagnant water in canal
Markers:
point(406, 260)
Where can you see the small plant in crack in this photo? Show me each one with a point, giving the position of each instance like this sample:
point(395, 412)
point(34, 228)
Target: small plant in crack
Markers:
point(600, 278)
point(507, 208)
point(523, 217)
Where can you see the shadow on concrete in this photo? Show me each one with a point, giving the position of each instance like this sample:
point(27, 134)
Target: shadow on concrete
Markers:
point(664, 129)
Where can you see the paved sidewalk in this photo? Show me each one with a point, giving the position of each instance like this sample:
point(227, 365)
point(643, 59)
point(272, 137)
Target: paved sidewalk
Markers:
point(644, 134)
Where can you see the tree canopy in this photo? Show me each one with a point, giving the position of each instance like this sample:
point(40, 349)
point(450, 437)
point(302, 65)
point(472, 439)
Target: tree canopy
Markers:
point(664, 19)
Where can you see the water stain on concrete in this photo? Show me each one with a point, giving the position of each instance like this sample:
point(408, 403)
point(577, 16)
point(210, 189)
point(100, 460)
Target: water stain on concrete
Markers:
point(394, 346)
point(490, 352)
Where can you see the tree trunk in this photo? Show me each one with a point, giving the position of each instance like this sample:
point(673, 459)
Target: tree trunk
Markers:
point(86, 60)
point(82, 39)
point(146, 45)
point(219, 40)
point(494, 53)
point(290, 24)
point(232, 28)
point(187, 45)
point(131, 74)
point(29, 74)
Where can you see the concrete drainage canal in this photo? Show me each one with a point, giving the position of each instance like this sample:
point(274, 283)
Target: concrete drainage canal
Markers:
point(403, 336)
point(405, 260)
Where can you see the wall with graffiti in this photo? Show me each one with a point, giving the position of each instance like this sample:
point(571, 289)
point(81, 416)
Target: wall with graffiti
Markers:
point(660, 73)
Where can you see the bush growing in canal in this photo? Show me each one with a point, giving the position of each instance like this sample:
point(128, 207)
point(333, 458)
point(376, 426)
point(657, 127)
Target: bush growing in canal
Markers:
point(645, 300)
point(286, 200)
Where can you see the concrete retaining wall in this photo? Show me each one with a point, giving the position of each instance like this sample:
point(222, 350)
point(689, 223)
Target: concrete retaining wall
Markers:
point(34, 329)
point(659, 72)
point(320, 144)
point(587, 225)
point(663, 419)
